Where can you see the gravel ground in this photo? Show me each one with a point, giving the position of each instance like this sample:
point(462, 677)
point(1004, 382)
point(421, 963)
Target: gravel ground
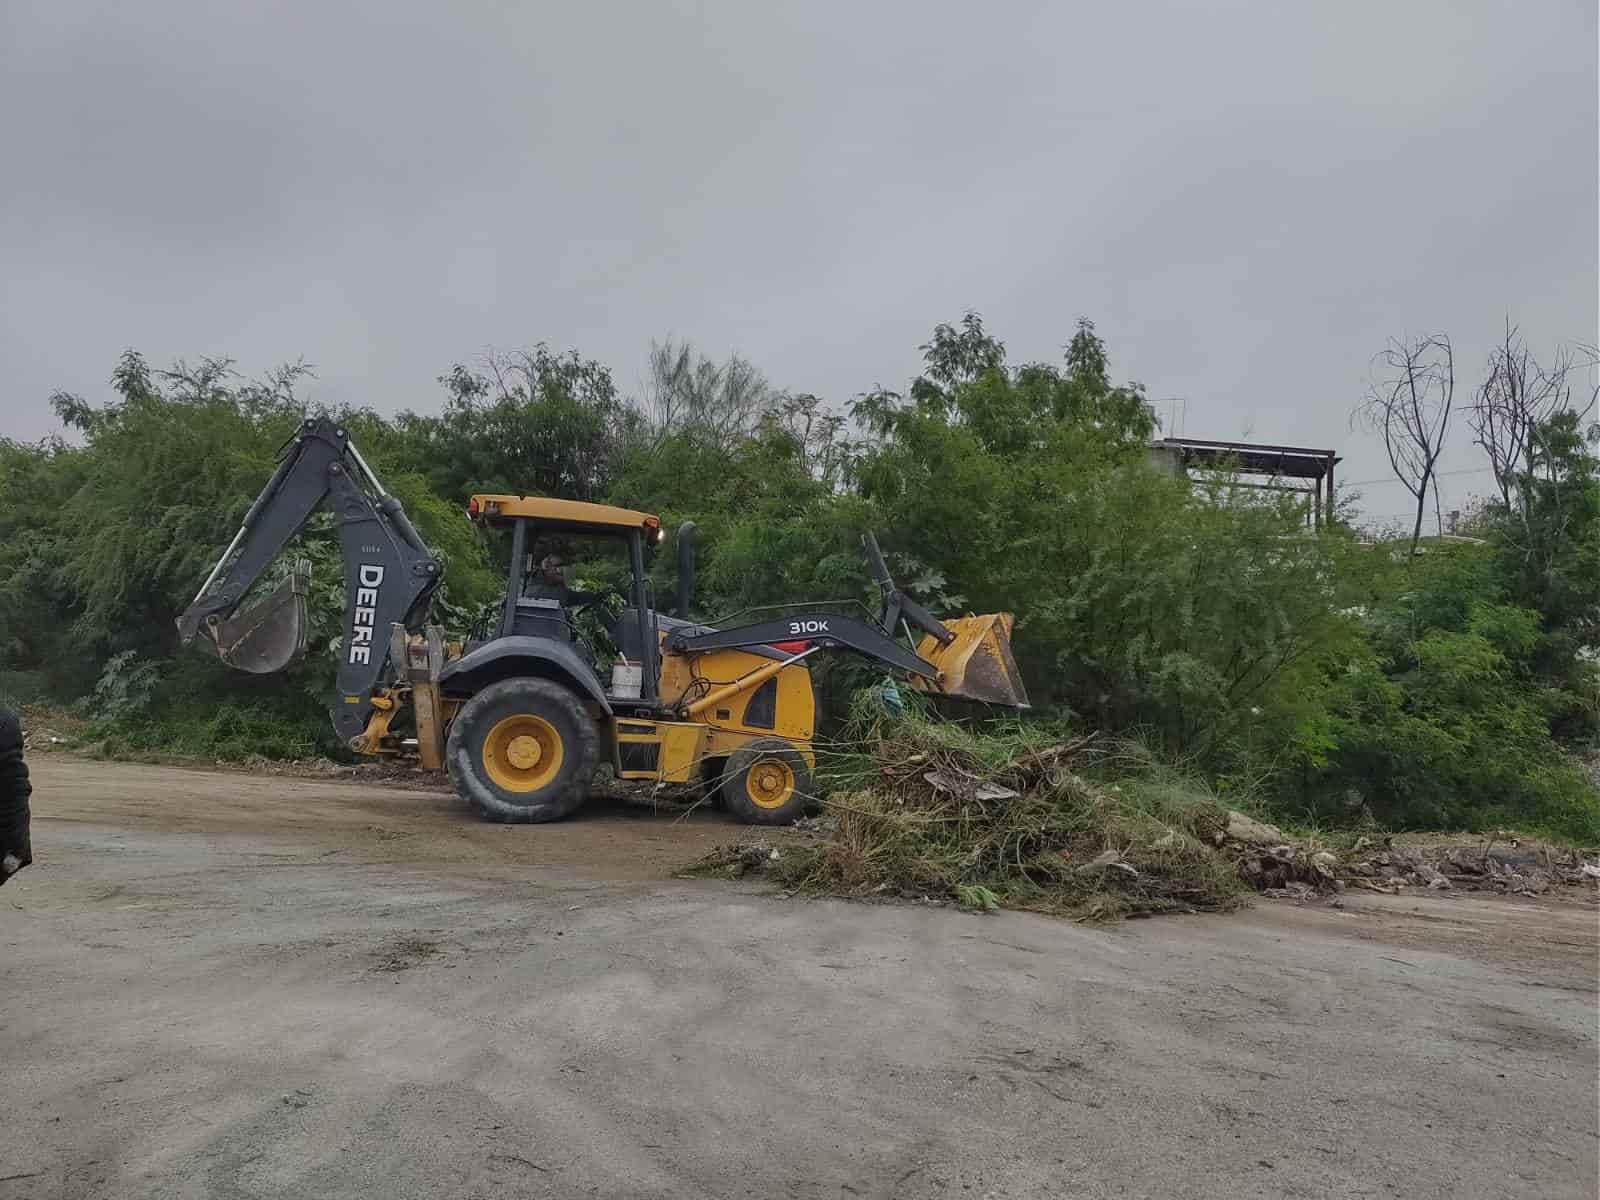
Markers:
point(222, 985)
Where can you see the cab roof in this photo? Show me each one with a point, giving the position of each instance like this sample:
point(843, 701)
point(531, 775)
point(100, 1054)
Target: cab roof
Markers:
point(571, 514)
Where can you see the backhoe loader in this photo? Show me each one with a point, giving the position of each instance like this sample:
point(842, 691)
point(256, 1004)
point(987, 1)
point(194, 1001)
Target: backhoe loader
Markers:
point(521, 718)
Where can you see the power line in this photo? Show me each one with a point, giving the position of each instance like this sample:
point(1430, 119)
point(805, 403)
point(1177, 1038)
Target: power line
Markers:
point(1436, 475)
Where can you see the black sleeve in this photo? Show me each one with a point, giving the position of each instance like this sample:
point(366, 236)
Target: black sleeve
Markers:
point(14, 786)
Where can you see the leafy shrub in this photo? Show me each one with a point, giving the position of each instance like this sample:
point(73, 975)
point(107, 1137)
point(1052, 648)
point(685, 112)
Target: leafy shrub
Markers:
point(19, 689)
point(228, 732)
point(125, 688)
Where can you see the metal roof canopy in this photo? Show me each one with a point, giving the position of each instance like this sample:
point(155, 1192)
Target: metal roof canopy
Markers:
point(569, 515)
point(1254, 458)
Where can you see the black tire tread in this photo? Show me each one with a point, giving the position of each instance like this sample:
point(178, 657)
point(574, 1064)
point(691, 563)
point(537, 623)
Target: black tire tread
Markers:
point(551, 700)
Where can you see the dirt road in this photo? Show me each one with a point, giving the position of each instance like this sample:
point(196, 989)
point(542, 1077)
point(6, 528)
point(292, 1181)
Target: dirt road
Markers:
point(218, 985)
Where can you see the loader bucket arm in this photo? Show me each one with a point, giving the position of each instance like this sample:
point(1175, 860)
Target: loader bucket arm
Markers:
point(390, 574)
point(899, 608)
point(966, 657)
point(830, 630)
point(970, 656)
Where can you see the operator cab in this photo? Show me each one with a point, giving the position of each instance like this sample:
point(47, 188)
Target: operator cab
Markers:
point(546, 536)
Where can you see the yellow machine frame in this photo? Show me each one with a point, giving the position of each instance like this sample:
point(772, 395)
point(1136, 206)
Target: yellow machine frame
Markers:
point(729, 680)
point(732, 679)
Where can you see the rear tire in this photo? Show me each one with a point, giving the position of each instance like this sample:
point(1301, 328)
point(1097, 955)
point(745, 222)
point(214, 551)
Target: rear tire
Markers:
point(766, 782)
point(523, 750)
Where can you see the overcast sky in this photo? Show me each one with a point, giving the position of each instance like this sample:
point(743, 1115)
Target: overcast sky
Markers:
point(1247, 198)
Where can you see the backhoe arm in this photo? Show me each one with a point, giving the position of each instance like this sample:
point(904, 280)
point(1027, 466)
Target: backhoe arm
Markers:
point(390, 574)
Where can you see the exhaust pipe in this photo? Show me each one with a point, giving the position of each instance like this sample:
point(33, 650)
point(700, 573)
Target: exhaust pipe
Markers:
point(688, 535)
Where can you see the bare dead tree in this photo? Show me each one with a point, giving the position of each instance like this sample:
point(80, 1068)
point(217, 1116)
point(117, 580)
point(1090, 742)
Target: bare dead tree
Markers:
point(1586, 357)
point(1517, 394)
point(1409, 402)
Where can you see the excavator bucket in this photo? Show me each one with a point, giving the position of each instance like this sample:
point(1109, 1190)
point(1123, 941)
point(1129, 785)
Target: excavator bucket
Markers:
point(977, 663)
point(270, 634)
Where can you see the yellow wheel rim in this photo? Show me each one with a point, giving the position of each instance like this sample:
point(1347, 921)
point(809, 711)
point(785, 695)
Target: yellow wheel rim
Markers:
point(769, 783)
point(523, 753)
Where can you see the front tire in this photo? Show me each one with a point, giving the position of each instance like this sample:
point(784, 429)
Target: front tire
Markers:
point(523, 750)
point(766, 782)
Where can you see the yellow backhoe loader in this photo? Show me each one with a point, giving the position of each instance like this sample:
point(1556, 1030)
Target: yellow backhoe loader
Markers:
point(520, 719)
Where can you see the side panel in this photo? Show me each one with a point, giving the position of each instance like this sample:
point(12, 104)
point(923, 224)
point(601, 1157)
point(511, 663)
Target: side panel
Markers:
point(682, 751)
point(792, 712)
point(792, 715)
point(668, 751)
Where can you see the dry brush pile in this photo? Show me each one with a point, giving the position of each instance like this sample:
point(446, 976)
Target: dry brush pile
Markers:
point(1006, 818)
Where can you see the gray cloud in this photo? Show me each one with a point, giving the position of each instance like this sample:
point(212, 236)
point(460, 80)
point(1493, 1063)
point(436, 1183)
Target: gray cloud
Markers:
point(1247, 198)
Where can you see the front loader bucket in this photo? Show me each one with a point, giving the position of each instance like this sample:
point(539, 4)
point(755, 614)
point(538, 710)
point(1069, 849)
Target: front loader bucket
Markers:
point(269, 635)
point(977, 664)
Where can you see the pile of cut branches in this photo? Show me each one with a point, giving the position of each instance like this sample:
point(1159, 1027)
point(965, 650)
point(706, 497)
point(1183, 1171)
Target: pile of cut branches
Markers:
point(1011, 817)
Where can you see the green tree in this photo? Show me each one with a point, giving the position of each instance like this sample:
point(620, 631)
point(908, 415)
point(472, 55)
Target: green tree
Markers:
point(531, 422)
point(975, 470)
point(1330, 677)
point(110, 539)
point(1442, 719)
point(1549, 543)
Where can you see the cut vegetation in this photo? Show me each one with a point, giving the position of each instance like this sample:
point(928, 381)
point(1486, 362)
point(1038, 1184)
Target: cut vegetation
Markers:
point(1008, 816)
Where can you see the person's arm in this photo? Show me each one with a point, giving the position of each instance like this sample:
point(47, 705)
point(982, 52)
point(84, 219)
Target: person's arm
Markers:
point(16, 851)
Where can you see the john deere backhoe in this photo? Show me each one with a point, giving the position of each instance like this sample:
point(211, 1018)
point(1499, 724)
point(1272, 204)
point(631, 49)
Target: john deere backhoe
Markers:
point(521, 718)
